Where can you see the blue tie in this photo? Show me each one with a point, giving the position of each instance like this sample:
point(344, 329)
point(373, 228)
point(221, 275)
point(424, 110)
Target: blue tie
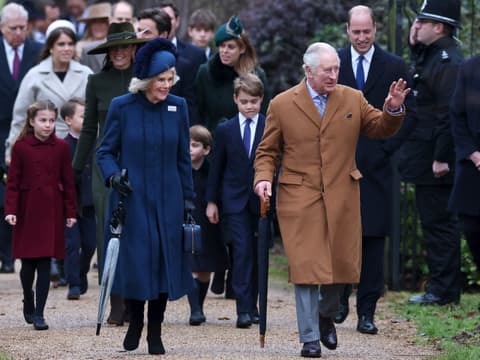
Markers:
point(320, 102)
point(360, 73)
point(246, 136)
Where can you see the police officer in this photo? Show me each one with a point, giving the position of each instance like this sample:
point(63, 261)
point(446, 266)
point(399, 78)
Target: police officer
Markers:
point(428, 156)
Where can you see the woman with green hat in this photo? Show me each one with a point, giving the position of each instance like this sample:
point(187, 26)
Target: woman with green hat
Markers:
point(111, 81)
point(214, 82)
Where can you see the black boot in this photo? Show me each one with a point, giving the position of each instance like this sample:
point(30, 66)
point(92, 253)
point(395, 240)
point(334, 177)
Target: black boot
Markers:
point(156, 310)
point(195, 299)
point(28, 307)
point(132, 338)
point(218, 282)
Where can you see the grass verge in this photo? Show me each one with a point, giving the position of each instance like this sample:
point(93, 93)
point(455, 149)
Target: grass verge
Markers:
point(453, 329)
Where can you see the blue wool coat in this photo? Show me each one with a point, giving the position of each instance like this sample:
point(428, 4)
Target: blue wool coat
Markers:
point(152, 142)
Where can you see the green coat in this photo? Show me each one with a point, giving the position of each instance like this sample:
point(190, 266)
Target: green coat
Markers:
point(214, 90)
point(101, 89)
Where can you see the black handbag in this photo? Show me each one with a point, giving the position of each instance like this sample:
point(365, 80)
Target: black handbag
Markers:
point(192, 236)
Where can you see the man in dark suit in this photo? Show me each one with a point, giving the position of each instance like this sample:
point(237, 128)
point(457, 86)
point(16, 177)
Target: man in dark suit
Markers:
point(367, 67)
point(465, 115)
point(189, 60)
point(17, 55)
point(230, 187)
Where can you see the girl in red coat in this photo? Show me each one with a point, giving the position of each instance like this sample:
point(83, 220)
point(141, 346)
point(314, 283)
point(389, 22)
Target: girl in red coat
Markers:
point(40, 196)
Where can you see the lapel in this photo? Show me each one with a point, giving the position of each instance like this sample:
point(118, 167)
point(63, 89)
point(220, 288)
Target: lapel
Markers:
point(334, 100)
point(5, 74)
point(305, 103)
point(347, 77)
point(258, 134)
point(376, 70)
point(72, 82)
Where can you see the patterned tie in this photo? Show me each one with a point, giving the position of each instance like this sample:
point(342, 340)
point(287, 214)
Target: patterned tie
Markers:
point(321, 103)
point(246, 136)
point(360, 73)
point(16, 65)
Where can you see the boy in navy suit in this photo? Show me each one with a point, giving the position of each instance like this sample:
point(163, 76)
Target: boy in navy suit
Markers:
point(80, 240)
point(230, 186)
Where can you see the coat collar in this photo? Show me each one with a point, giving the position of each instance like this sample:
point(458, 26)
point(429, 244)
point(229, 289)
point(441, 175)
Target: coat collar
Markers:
point(304, 102)
point(32, 140)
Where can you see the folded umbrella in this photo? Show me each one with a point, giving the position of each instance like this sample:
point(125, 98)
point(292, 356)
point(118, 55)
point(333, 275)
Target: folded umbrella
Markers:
point(111, 256)
point(264, 238)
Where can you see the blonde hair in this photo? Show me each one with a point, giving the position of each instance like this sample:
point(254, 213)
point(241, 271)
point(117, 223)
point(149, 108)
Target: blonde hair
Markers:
point(137, 84)
point(247, 62)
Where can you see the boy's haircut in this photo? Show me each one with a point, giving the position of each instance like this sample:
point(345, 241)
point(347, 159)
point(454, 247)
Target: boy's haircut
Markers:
point(203, 19)
point(68, 109)
point(248, 83)
point(201, 134)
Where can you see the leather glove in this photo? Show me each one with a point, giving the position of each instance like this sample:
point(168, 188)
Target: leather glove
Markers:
point(189, 206)
point(119, 183)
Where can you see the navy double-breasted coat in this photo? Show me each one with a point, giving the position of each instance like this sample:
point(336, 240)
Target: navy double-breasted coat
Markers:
point(152, 142)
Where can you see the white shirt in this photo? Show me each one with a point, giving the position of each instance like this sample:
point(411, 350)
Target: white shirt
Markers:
point(253, 126)
point(10, 53)
point(367, 61)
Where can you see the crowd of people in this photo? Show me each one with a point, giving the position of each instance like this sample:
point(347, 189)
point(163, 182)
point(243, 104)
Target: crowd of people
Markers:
point(95, 89)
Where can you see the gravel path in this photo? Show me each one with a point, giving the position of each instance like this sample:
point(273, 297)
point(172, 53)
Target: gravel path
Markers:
point(72, 331)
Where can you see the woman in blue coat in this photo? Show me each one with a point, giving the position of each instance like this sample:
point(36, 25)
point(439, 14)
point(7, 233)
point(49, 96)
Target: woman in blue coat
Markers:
point(147, 132)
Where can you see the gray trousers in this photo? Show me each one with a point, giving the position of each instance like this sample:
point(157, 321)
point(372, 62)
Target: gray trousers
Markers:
point(312, 301)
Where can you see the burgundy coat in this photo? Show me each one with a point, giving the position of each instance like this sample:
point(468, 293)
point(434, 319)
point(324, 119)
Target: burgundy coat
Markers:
point(41, 193)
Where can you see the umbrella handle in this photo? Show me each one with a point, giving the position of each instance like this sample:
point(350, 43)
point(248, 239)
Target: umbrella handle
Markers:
point(264, 206)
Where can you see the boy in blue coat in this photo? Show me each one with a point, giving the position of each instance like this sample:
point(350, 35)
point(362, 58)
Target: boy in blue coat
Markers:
point(80, 240)
point(230, 185)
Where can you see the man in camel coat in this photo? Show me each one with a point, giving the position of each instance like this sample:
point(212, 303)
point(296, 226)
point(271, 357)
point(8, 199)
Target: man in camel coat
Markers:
point(311, 132)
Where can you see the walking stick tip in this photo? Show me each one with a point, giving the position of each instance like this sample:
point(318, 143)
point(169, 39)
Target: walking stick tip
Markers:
point(262, 341)
point(98, 328)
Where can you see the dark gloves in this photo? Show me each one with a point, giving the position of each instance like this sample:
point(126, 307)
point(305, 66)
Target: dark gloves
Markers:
point(121, 184)
point(189, 206)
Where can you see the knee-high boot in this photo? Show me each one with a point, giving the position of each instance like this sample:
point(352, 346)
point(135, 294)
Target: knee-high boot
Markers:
point(132, 338)
point(156, 311)
point(195, 301)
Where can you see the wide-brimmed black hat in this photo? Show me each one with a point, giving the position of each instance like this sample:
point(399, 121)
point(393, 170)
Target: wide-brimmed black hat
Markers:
point(444, 11)
point(118, 34)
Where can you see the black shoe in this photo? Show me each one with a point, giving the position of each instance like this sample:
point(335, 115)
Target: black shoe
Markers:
point(366, 325)
point(328, 334)
point(218, 283)
point(255, 317)
point(7, 269)
point(39, 323)
point(311, 349)
point(244, 320)
point(83, 284)
point(154, 339)
point(197, 318)
point(341, 314)
point(430, 299)
point(29, 308)
point(132, 338)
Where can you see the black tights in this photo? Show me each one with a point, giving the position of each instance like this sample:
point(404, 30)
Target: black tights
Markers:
point(27, 276)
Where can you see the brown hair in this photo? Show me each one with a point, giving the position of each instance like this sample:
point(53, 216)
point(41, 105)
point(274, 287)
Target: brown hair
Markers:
point(249, 83)
point(201, 134)
point(53, 37)
point(32, 112)
point(203, 19)
point(248, 60)
point(68, 109)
